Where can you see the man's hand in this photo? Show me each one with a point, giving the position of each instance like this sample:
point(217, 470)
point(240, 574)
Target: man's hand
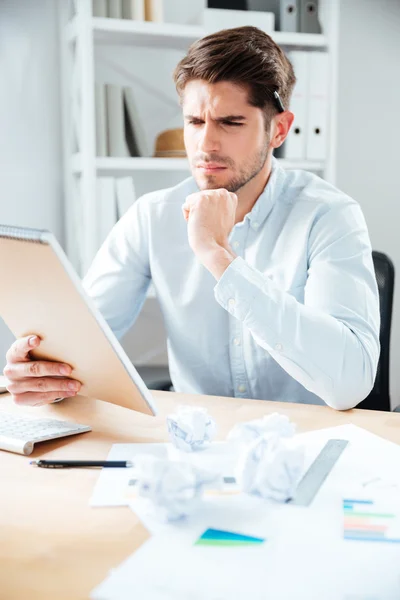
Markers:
point(36, 382)
point(210, 215)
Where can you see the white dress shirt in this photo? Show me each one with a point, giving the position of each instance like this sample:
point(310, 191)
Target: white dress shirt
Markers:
point(295, 317)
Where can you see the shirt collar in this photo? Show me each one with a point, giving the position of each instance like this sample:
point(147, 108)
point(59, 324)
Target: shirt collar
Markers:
point(265, 201)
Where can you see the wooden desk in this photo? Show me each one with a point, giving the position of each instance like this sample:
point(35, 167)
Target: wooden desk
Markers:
point(52, 544)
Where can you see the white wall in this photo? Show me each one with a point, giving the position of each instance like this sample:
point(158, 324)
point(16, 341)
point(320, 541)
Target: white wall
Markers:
point(368, 157)
point(30, 142)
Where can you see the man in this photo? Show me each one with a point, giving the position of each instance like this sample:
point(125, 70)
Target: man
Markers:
point(264, 277)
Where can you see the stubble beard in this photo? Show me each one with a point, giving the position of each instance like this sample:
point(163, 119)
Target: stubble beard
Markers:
point(248, 171)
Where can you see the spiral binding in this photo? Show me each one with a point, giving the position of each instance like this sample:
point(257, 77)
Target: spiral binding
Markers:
point(23, 234)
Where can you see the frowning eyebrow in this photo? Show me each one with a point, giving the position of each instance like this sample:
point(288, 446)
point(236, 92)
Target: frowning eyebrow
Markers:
point(218, 119)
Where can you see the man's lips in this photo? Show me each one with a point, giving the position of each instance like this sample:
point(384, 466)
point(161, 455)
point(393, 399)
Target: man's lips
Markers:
point(212, 167)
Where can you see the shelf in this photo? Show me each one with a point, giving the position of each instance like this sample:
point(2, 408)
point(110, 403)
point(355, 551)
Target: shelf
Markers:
point(142, 33)
point(302, 41)
point(305, 165)
point(122, 166)
point(179, 37)
point(116, 167)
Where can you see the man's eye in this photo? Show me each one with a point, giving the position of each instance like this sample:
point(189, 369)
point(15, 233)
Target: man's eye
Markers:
point(229, 123)
point(232, 123)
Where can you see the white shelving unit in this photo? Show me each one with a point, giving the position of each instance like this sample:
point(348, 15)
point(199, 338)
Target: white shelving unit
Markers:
point(176, 36)
point(118, 167)
point(83, 39)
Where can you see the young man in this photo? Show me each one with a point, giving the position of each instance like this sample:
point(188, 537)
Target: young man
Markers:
point(264, 277)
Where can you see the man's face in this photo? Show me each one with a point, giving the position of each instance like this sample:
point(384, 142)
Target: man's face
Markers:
point(225, 136)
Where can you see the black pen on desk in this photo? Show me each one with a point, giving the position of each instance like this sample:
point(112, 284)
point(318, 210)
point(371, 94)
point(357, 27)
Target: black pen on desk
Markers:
point(70, 464)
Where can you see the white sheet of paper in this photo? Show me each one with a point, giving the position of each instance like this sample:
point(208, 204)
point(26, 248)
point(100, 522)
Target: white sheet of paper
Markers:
point(112, 487)
point(369, 461)
point(304, 557)
point(305, 552)
point(197, 572)
point(236, 512)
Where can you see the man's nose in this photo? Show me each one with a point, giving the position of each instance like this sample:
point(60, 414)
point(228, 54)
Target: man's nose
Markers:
point(209, 140)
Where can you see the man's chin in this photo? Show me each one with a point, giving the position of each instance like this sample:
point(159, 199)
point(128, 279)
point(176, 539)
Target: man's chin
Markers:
point(211, 182)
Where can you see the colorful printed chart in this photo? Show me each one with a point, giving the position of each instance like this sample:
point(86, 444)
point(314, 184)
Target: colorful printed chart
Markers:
point(371, 521)
point(218, 537)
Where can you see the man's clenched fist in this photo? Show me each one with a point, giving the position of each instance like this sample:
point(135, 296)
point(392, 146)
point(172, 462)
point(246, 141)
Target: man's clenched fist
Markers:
point(210, 215)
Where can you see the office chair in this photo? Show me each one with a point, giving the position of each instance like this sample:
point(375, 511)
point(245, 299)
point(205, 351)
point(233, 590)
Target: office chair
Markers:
point(156, 378)
point(379, 397)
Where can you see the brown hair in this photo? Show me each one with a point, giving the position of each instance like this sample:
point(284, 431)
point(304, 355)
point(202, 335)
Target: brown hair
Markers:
point(246, 56)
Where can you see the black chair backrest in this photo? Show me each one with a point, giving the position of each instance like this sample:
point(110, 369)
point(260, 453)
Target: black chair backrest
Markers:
point(379, 397)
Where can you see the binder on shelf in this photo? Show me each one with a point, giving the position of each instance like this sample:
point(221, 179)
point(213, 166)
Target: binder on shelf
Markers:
point(106, 213)
point(153, 10)
point(115, 121)
point(115, 9)
point(99, 8)
point(134, 131)
point(285, 12)
point(295, 144)
point(292, 15)
point(130, 136)
point(288, 15)
point(125, 194)
point(317, 118)
point(133, 9)
point(101, 119)
point(309, 16)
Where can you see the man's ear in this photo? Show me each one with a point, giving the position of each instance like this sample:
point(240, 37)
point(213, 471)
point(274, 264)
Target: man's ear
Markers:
point(280, 127)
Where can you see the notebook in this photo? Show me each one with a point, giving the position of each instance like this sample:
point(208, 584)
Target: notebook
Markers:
point(44, 296)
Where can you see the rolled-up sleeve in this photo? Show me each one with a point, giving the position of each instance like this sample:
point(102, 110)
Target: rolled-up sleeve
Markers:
point(329, 344)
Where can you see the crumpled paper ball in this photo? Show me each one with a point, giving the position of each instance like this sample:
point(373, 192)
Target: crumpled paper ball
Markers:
point(191, 428)
point(245, 433)
point(173, 489)
point(271, 468)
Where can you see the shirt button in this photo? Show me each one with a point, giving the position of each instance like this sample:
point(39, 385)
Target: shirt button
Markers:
point(278, 347)
point(242, 388)
point(231, 302)
point(236, 341)
point(236, 244)
point(256, 224)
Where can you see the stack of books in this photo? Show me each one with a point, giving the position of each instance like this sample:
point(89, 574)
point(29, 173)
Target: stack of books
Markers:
point(119, 130)
point(114, 196)
point(137, 10)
